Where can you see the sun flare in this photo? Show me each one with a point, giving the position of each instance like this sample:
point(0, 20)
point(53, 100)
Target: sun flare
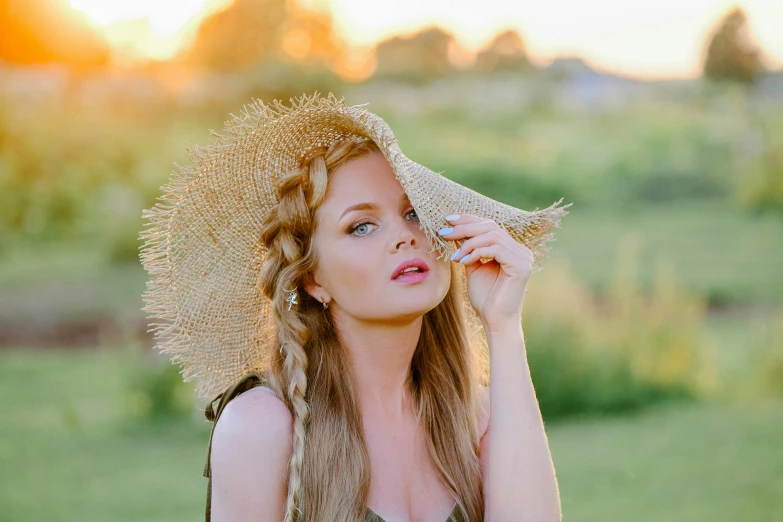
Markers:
point(165, 18)
point(148, 28)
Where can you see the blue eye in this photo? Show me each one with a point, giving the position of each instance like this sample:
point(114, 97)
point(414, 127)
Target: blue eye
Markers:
point(355, 228)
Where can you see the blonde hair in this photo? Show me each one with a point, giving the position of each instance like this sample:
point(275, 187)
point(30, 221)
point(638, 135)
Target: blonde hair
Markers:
point(329, 469)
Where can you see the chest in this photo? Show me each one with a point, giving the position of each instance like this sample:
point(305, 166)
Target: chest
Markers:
point(405, 485)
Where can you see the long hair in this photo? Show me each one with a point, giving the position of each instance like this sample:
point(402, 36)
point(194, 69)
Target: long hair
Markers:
point(329, 469)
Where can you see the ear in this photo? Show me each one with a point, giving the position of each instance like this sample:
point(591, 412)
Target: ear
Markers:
point(312, 287)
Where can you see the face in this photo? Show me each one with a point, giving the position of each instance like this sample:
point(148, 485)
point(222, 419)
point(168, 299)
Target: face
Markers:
point(366, 228)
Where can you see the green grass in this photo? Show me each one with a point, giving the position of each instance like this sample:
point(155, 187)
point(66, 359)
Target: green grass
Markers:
point(69, 454)
point(690, 462)
point(723, 253)
point(739, 339)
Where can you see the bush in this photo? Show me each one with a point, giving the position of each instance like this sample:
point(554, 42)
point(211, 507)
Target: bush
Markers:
point(510, 185)
point(761, 186)
point(618, 353)
point(155, 390)
point(767, 352)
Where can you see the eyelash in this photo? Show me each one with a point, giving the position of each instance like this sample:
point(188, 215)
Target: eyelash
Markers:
point(357, 225)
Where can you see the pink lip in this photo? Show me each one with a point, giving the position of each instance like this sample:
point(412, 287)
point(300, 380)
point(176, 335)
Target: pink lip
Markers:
point(411, 277)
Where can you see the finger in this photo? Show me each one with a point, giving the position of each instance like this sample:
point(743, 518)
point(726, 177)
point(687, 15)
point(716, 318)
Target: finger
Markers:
point(462, 218)
point(486, 239)
point(495, 252)
point(459, 219)
point(467, 230)
point(510, 263)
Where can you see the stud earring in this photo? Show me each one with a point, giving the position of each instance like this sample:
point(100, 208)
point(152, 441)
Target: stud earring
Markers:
point(324, 303)
point(291, 299)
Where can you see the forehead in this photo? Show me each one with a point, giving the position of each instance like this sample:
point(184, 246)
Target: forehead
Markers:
point(368, 178)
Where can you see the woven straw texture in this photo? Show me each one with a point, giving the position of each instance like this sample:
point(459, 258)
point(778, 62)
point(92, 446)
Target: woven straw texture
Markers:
point(203, 252)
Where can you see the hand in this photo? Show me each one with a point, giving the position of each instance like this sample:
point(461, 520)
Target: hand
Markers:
point(495, 288)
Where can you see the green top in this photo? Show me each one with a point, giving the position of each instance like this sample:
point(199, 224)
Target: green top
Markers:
point(212, 415)
point(455, 516)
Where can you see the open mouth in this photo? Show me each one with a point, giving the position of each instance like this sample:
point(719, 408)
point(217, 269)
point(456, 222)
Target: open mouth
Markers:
point(411, 270)
point(412, 275)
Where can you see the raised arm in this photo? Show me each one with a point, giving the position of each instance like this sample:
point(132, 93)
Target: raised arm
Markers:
point(251, 447)
point(519, 477)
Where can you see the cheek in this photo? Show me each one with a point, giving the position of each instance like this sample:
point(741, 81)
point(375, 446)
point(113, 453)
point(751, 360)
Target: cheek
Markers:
point(350, 270)
point(441, 271)
point(444, 274)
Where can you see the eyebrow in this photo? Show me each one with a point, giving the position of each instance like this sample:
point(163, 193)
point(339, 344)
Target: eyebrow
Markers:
point(367, 205)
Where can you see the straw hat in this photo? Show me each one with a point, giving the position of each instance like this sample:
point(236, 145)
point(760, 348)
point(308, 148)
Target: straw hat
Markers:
point(203, 252)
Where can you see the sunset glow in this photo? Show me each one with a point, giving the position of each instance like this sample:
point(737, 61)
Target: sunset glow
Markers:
point(643, 39)
point(649, 39)
point(148, 28)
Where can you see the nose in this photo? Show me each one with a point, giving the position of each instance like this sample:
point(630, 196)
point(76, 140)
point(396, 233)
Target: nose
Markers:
point(413, 243)
point(407, 235)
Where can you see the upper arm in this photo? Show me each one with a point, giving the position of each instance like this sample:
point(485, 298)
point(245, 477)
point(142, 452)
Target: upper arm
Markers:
point(251, 448)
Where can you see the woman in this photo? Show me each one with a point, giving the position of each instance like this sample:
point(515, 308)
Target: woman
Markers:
point(373, 408)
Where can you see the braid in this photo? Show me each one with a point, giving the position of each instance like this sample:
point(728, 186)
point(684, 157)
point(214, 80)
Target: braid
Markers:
point(288, 232)
point(296, 374)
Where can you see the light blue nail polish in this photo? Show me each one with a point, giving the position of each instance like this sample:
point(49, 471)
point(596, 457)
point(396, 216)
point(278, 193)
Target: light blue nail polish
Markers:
point(452, 217)
point(464, 258)
point(445, 231)
point(454, 255)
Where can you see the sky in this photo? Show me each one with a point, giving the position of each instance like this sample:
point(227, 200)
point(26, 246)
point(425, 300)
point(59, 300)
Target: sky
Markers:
point(661, 39)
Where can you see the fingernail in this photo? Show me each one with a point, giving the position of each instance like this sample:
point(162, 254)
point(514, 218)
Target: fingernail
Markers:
point(464, 258)
point(454, 255)
point(445, 231)
point(452, 217)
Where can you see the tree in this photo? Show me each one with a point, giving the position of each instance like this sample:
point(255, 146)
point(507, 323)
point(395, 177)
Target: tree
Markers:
point(309, 38)
point(249, 33)
point(731, 54)
point(419, 56)
point(506, 52)
point(244, 34)
point(34, 32)
point(734, 59)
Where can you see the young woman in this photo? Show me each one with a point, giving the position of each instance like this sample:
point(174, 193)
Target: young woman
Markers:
point(375, 407)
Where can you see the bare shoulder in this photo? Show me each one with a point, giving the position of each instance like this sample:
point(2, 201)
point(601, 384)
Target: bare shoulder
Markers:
point(483, 412)
point(256, 409)
point(251, 448)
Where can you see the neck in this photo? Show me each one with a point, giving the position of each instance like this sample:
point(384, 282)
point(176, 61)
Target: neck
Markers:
point(381, 355)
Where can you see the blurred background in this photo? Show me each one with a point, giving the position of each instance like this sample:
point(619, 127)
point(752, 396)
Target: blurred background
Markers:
point(655, 333)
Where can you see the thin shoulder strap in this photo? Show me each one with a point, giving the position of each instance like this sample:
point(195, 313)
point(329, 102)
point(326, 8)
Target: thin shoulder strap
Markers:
point(212, 415)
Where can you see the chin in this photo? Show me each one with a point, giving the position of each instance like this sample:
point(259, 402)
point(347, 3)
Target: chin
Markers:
point(423, 302)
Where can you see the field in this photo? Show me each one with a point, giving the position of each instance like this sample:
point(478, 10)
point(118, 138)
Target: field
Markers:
point(661, 314)
point(75, 457)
